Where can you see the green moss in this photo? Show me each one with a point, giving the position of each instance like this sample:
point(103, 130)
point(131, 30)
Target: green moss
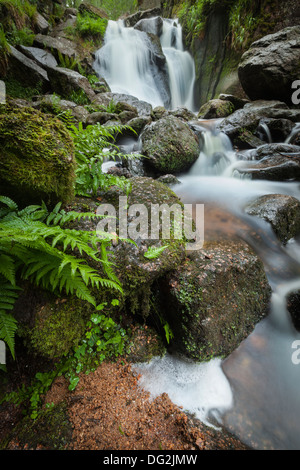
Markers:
point(37, 157)
point(52, 430)
point(58, 327)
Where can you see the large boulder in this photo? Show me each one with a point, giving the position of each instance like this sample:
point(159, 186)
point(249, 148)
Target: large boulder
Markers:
point(42, 57)
point(169, 145)
point(37, 160)
point(59, 47)
point(26, 71)
point(268, 69)
point(213, 301)
point(65, 81)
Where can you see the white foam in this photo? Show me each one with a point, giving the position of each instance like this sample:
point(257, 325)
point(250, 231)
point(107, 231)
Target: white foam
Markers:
point(201, 389)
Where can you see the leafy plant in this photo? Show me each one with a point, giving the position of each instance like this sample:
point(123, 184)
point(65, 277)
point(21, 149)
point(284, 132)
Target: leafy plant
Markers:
point(35, 246)
point(104, 339)
point(154, 252)
point(91, 149)
point(87, 25)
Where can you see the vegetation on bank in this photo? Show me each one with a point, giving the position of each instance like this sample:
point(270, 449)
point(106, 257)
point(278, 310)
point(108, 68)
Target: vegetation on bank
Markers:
point(244, 18)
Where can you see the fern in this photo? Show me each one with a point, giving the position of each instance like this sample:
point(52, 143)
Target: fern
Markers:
point(154, 252)
point(91, 149)
point(35, 246)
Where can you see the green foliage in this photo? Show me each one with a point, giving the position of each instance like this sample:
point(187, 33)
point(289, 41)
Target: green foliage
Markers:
point(15, 89)
point(79, 97)
point(113, 8)
point(4, 46)
point(35, 246)
point(104, 339)
point(86, 26)
point(24, 36)
point(91, 144)
point(154, 252)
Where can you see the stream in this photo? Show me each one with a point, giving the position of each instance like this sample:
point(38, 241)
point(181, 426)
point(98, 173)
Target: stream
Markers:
point(254, 393)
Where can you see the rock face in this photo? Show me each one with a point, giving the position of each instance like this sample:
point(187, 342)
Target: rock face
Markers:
point(36, 157)
point(26, 70)
point(282, 212)
point(249, 117)
point(213, 300)
point(274, 162)
point(268, 69)
point(169, 145)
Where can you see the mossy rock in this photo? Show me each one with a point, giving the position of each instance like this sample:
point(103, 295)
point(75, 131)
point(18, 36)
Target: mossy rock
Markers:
point(215, 109)
point(49, 326)
point(37, 160)
point(169, 145)
point(52, 430)
point(213, 301)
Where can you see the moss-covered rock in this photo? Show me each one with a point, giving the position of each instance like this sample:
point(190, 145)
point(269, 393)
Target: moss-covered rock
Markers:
point(216, 108)
point(169, 145)
point(213, 301)
point(49, 326)
point(52, 430)
point(36, 157)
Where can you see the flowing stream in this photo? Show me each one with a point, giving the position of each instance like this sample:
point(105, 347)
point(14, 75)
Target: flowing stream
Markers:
point(254, 393)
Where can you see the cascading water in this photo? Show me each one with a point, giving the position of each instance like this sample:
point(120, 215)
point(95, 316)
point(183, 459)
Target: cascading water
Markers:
point(128, 62)
point(254, 393)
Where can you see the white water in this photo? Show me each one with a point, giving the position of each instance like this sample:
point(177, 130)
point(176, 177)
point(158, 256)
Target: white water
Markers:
point(254, 393)
point(126, 63)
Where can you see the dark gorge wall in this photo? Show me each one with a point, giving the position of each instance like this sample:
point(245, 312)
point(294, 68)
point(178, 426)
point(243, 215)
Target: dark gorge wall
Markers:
point(220, 43)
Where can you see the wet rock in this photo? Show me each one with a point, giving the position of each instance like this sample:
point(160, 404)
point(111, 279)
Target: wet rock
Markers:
point(249, 117)
point(216, 108)
point(150, 25)
point(182, 113)
point(213, 300)
point(169, 145)
point(237, 102)
point(273, 168)
point(280, 129)
point(168, 179)
point(268, 69)
point(141, 15)
point(26, 70)
point(282, 212)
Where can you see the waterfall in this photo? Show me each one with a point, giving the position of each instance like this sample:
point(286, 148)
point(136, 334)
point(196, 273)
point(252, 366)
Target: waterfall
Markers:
point(181, 66)
point(254, 393)
point(131, 64)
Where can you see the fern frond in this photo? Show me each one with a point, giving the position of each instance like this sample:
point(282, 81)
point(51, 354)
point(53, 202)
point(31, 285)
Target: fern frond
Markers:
point(8, 327)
